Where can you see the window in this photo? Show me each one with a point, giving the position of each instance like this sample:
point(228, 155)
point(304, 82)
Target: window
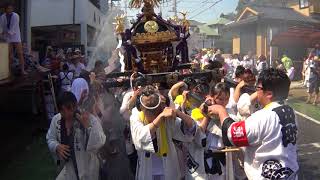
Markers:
point(94, 17)
point(304, 3)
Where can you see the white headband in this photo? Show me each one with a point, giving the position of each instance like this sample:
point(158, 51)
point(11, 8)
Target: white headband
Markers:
point(151, 108)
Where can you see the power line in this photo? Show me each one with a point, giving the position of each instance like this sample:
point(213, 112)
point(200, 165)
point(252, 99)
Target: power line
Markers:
point(206, 9)
point(174, 5)
point(203, 2)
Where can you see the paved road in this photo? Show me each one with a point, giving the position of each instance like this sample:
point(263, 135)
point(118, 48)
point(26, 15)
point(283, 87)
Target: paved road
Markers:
point(309, 149)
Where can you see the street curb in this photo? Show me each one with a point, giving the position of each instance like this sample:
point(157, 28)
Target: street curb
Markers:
point(307, 117)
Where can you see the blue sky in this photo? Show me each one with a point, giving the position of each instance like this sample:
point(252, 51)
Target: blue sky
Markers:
point(194, 7)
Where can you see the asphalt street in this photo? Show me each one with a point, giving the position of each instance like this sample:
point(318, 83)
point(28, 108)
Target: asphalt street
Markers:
point(308, 149)
point(308, 145)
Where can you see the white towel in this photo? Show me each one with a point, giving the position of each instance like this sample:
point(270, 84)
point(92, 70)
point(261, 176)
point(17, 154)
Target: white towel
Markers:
point(79, 85)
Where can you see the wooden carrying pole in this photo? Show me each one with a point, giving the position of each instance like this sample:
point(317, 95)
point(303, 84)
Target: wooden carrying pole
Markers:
point(170, 78)
point(53, 92)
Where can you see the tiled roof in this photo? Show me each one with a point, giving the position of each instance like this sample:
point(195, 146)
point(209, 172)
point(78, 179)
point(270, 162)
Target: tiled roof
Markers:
point(282, 13)
point(274, 13)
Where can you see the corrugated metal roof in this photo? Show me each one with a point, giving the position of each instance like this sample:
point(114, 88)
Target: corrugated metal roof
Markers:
point(195, 23)
point(220, 20)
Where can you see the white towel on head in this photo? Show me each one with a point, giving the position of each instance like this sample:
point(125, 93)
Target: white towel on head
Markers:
point(78, 86)
point(244, 105)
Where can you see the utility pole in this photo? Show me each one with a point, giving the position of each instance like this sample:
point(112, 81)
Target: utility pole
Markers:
point(125, 8)
point(175, 7)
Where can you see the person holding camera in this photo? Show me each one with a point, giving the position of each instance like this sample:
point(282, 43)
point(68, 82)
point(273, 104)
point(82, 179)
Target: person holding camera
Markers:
point(74, 139)
point(205, 163)
point(183, 102)
point(153, 127)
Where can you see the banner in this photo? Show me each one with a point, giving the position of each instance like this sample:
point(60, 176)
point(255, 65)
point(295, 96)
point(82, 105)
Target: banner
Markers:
point(4, 61)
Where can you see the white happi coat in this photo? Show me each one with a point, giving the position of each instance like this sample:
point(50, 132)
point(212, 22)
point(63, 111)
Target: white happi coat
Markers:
point(195, 156)
point(124, 109)
point(12, 35)
point(126, 113)
point(196, 151)
point(143, 143)
point(269, 138)
point(85, 150)
point(248, 64)
point(232, 105)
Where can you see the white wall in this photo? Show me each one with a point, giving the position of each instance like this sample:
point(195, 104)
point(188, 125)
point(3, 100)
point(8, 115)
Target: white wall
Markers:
point(90, 12)
point(51, 12)
point(60, 12)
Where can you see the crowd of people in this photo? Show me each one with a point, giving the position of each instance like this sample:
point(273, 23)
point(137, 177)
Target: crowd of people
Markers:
point(28, 61)
point(160, 133)
point(250, 61)
point(150, 132)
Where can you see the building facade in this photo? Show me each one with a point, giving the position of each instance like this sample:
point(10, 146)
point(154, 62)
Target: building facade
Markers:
point(257, 26)
point(65, 23)
point(211, 34)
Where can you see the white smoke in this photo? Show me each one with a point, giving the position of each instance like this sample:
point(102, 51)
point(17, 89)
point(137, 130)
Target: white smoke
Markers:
point(106, 40)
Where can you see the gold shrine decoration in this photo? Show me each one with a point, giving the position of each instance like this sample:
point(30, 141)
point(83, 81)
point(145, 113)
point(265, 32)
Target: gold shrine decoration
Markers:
point(119, 22)
point(151, 26)
point(175, 20)
point(156, 37)
point(184, 22)
point(138, 3)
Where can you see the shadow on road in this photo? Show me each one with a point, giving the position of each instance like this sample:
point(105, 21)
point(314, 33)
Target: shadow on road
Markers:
point(309, 168)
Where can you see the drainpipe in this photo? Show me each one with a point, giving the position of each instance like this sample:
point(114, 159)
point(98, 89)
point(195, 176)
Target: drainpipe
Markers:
point(27, 36)
point(74, 12)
